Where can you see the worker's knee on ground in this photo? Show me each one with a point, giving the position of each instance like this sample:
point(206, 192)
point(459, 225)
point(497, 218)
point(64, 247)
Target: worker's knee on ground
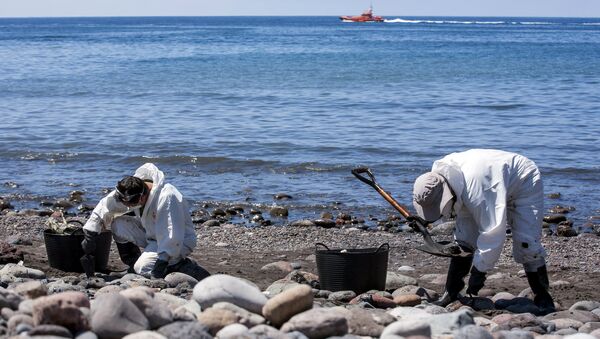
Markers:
point(145, 263)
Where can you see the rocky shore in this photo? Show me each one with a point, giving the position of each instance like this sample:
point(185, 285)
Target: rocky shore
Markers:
point(265, 284)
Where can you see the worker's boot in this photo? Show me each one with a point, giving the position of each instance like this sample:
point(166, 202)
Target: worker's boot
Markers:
point(129, 253)
point(539, 286)
point(459, 268)
point(189, 267)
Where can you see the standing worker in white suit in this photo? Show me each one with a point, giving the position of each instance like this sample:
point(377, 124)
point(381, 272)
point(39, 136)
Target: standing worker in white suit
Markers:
point(144, 211)
point(486, 190)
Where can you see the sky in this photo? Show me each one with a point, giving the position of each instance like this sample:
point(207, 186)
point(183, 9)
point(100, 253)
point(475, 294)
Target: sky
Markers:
point(395, 8)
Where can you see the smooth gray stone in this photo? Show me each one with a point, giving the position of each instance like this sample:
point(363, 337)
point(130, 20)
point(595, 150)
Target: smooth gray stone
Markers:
point(266, 331)
point(433, 309)
point(18, 319)
point(31, 289)
point(589, 327)
point(19, 271)
point(585, 305)
point(360, 321)
point(22, 328)
point(185, 330)
point(60, 286)
point(296, 335)
point(317, 323)
point(382, 317)
point(247, 318)
point(449, 322)
point(156, 311)
point(9, 299)
point(406, 328)
point(566, 331)
point(395, 281)
point(279, 286)
point(231, 331)
point(409, 313)
point(152, 283)
point(26, 306)
point(114, 316)
point(342, 296)
point(472, 332)
point(183, 314)
point(109, 289)
point(176, 278)
point(514, 334)
point(221, 287)
point(583, 316)
point(54, 330)
point(145, 335)
point(171, 300)
point(87, 335)
point(580, 336)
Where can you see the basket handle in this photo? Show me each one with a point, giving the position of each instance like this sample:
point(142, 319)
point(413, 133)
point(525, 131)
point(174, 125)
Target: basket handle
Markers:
point(387, 247)
point(321, 244)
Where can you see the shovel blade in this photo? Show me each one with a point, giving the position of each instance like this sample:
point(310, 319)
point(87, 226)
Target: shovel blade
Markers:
point(444, 249)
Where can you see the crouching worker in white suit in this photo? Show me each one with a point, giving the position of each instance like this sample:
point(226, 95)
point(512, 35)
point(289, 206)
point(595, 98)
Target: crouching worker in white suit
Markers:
point(486, 190)
point(144, 211)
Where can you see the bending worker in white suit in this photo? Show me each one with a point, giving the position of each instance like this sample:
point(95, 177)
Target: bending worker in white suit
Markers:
point(144, 211)
point(486, 190)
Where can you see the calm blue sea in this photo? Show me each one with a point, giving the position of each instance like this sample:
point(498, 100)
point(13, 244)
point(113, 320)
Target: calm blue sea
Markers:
point(240, 108)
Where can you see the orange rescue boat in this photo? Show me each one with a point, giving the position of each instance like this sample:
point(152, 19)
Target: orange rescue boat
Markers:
point(366, 16)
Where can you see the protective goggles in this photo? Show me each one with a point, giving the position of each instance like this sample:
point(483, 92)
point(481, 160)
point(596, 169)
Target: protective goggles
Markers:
point(128, 199)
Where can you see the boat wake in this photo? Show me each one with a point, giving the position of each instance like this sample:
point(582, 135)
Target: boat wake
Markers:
point(449, 22)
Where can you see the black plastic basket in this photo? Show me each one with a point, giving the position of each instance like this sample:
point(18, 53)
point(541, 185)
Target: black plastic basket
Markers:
point(64, 250)
point(357, 270)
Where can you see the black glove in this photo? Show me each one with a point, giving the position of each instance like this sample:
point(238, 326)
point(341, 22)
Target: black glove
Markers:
point(89, 241)
point(414, 220)
point(160, 269)
point(476, 281)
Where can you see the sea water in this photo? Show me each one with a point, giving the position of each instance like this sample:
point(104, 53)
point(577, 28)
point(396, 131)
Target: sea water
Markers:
point(237, 109)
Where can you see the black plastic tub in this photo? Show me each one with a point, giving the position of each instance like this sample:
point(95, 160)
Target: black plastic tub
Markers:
point(357, 270)
point(64, 250)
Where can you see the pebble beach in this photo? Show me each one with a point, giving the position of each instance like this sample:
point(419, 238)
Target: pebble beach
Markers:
point(265, 284)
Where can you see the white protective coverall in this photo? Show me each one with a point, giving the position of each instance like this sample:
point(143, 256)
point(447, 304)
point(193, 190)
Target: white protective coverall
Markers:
point(494, 189)
point(164, 229)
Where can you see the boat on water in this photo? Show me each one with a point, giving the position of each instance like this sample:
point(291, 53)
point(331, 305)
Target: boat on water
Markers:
point(366, 16)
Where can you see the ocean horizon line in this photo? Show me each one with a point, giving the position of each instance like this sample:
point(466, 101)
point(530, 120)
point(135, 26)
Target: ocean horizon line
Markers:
point(285, 16)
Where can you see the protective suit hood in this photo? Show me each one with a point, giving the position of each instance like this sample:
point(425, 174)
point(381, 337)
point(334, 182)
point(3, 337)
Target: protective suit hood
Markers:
point(149, 171)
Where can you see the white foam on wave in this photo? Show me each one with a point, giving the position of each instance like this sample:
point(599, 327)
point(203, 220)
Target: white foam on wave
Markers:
point(399, 20)
point(591, 23)
point(534, 23)
point(457, 22)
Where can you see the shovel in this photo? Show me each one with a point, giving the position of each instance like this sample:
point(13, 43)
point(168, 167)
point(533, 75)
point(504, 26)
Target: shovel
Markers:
point(441, 249)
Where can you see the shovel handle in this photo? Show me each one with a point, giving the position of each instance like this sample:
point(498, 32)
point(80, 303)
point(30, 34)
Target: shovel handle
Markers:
point(321, 244)
point(371, 182)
